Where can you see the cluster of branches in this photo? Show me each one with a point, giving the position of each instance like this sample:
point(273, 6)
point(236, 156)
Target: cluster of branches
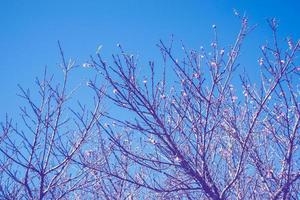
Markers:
point(198, 137)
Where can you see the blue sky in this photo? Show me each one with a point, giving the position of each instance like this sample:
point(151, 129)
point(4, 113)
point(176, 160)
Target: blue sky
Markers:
point(30, 30)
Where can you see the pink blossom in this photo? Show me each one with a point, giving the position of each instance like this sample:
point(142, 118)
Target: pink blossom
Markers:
point(234, 98)
point(162, 96)
point(233, 53)
point(213, 64)
point(261, 61)
point(152, 141)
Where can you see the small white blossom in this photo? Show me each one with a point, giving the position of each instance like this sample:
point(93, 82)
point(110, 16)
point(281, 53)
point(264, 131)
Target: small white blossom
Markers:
point(169, 120)
point(222, 52)
point(177, 159)
point(194, 128)
point(290, 43)
point(269, 173)
point(196, 75)
point(89, 83)
point(235, 12)
point(280, 115)
point(152, 141)
point(245, 21)
point(86, 65)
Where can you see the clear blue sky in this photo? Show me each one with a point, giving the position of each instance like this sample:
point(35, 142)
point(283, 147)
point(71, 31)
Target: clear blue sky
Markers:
point(30, 30)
